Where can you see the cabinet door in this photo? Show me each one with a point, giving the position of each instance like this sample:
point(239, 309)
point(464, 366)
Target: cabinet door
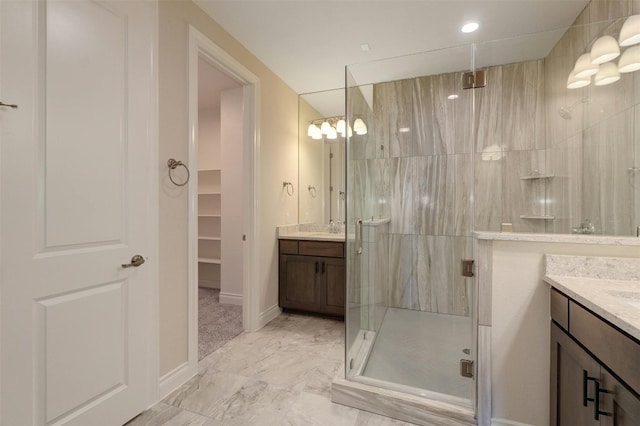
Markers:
point(333, 280)
point(299, 282)
point(568, 385)
point(619, 402)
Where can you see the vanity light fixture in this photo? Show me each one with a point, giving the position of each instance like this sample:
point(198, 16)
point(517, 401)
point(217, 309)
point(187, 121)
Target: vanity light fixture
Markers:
point(604, 50)
point(574, 82)
point(608, 74)
point(630, 59)
point(470, 27)
point(330, 127)
point(584, 67)
point(630, 32)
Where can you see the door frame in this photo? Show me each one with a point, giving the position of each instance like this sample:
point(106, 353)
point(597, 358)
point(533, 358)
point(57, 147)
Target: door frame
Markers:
point(201, 46)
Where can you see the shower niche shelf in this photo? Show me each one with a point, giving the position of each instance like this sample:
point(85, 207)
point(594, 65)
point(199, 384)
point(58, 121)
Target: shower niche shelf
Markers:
point(536, 217)
point(535, 176)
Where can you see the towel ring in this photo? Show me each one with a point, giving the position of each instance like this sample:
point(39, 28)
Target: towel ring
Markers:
point(289, 187)
point(173, 164)
point(312, 191)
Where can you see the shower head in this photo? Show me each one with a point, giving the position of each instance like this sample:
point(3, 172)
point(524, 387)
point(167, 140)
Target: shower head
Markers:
point(565, 112)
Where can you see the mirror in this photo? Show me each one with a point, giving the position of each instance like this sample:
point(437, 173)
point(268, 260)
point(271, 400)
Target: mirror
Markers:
point(321, 168)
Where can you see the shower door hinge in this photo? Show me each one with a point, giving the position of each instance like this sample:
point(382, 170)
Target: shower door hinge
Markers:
point(474, 79)
point(467, 268)
point(466, 368)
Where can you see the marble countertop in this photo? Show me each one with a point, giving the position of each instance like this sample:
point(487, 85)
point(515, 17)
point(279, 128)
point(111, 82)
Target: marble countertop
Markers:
point(617, 301)
point(558, 238)
point(310, 232)
point(311, 236)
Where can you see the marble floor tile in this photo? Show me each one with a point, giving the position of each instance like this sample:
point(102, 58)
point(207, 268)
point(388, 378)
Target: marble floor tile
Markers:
point(369, 419)
point(167, 415)
point(312, 410)
point(279, 375)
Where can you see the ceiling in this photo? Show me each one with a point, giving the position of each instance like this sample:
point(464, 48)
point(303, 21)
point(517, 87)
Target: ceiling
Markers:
point(308, 43)
point(211, 82)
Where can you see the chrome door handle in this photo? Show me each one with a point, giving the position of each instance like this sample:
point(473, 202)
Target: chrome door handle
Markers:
point(136, 261)
point(359, 236)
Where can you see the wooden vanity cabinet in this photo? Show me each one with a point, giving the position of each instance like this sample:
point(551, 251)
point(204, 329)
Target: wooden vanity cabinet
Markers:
point(312, 276)
point(584, 388)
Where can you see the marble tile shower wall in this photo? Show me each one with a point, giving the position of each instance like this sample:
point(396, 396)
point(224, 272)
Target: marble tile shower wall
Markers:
point(421, 178)
point(593, 133)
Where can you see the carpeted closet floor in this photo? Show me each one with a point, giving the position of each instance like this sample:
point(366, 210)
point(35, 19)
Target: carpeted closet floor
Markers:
point(217, 323)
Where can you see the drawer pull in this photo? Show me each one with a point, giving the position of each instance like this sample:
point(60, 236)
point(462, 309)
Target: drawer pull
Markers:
point(597, 412)
point(316, 267)
point(323, 267)
point(585, 387)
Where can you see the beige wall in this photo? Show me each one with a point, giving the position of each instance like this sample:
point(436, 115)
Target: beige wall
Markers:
point(278, 163)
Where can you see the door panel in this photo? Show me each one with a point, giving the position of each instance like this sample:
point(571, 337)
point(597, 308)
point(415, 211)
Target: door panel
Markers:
point(76, 178)
point(84, 139)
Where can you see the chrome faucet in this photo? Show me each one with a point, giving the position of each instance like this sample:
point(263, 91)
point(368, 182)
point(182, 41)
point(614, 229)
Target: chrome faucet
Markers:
point(586, 227)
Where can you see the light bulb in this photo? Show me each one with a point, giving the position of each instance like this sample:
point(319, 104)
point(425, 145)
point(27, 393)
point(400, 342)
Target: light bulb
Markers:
point(630, 32)
point(324, 128)
point(604, 50)
point(630, 60)
point(340, 126)
point(333, 134)
point(576, 83)
point(584, 67)
point(608, 74)
point(312, 129)
point(359, 127)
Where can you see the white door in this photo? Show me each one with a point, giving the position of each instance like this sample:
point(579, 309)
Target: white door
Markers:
point(75, 183)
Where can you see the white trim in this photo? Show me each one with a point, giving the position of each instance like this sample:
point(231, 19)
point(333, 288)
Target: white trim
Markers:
point(230, 298)
point(174, 379)
point(268, 315)
point(201, 46)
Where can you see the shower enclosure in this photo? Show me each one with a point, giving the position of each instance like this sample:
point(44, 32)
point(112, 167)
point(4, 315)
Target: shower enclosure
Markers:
point(438, 162)
point(410, 216)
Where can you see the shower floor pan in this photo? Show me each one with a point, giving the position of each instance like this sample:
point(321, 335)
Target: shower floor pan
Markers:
point(421, 350)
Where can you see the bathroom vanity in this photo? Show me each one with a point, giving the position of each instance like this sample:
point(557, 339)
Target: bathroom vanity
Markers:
point(595, 351)
point(312, 272)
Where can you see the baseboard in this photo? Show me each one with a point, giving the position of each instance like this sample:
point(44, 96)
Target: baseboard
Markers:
point(503, 422)
point(174, 379)
point(230, 298)
point(266, 316)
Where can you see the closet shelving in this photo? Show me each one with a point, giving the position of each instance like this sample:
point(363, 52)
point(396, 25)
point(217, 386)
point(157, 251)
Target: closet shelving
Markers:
point(209, 216)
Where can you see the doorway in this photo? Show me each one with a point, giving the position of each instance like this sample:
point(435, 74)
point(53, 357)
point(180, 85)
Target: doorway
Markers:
point(223, 99)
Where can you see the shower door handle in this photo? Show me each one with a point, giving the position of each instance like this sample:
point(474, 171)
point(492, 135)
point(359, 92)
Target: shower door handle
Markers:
point(359, 236)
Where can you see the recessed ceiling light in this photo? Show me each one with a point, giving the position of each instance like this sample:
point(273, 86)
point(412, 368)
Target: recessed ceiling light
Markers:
point(454, 96)
point(365, 47)
point(470, 27)
point(404, 130)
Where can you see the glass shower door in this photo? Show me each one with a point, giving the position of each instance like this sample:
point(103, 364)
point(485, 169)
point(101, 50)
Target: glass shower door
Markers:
point(410, 165)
